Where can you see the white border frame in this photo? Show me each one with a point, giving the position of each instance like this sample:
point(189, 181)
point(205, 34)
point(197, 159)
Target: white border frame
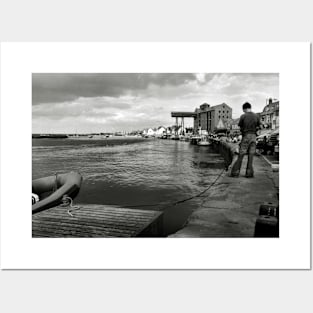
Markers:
point(20, 251)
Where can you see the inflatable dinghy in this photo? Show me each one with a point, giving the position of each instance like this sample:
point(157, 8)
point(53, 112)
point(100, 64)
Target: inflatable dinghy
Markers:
point(58, 186)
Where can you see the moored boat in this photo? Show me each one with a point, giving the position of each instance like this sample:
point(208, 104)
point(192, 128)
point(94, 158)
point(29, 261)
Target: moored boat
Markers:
point(175, 137)
point(52, 189)
point(195, 139)
point(204, 141)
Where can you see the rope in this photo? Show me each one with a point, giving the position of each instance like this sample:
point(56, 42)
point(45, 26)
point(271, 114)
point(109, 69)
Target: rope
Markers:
point(179, 201)
point(202, 192)
point(68, 201)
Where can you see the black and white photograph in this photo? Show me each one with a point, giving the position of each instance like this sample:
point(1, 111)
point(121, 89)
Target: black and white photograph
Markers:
point(169, 155)
point(167, 149)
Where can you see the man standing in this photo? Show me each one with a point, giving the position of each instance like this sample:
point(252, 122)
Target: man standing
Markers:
point(249, 123)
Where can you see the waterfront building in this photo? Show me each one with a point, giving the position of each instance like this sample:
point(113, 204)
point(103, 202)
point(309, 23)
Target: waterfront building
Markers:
point(168, 130)
point(160, 131)
point(208, 117)
point(151, 132)
point(234, 127)
point(270, 115)
point(177, 130)
point(148, 132)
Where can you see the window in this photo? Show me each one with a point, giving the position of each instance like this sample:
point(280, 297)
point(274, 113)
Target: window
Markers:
point(223, 111)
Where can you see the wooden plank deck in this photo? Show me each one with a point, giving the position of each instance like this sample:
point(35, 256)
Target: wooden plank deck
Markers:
point(93, 220)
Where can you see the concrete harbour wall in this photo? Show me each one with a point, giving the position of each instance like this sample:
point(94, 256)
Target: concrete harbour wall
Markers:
point(230, 208)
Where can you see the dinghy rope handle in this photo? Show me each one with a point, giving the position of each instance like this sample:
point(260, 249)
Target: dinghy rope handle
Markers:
point(68, 201)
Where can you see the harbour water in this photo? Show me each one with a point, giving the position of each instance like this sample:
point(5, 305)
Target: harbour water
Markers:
point(129, 172)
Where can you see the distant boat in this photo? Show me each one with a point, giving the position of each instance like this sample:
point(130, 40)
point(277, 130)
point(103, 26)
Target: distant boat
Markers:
point(204, 141)
point(175, 137)
point(195, 139)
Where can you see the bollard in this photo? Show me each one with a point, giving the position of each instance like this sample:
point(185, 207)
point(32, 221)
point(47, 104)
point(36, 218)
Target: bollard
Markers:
point(266, 226)
point(270, 209)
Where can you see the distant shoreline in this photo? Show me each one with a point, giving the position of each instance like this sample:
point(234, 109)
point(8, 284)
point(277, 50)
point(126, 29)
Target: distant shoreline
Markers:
point(83, 137)
point(97, 140)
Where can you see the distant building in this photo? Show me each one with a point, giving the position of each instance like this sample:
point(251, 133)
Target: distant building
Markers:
point(160, 131)
point(176, 130)
point(148, 132)
point(220, 124)
point(168, 130)
point(209, 117)
point(270, 115)
point(233, 126)
point(151, 132)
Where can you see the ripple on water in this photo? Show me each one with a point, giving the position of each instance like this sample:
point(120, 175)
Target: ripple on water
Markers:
point(153, 171)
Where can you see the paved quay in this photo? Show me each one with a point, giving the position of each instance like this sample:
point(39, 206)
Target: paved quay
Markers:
point(230, 208)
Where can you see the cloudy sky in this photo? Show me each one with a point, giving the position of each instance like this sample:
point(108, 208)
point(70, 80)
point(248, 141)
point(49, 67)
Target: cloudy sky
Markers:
point(84, 103)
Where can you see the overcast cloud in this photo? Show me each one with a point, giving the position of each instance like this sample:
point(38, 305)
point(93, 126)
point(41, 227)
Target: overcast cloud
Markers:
point(116, 102)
